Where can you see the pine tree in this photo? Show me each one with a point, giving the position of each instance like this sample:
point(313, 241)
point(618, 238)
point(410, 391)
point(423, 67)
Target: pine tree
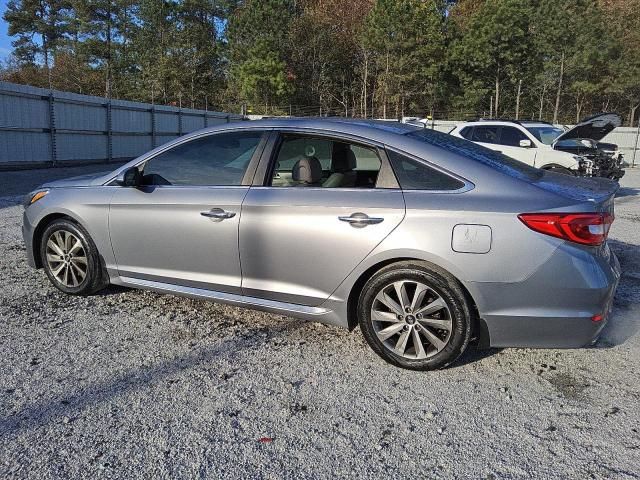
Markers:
point(197, 54)
point(41, 26)
point(621, 17)
point(406, 39)
point(327, 60)
point(257, 50)
point(495, 49)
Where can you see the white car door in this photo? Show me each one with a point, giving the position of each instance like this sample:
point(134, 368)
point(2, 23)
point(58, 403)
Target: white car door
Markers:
point(509, 143)
point(504, 139)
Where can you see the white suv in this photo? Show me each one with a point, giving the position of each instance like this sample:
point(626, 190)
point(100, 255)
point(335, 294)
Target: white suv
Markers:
point(527, 141)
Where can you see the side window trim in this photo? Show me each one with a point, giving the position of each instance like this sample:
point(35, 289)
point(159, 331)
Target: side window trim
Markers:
point(468, 185)
point(268, 158)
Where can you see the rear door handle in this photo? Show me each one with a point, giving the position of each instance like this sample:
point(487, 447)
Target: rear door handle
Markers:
point(218, 213)
point(360, 219)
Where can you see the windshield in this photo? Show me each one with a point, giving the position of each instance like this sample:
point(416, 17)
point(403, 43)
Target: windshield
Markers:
point(491, 158)
point(546, 134)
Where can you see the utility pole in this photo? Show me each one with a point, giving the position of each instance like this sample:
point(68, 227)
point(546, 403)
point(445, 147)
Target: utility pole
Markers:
point(518, 100)
point(635, 149)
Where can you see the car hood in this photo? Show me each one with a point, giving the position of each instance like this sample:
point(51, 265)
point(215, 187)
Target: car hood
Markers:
point(79, 181)
point(595, 127)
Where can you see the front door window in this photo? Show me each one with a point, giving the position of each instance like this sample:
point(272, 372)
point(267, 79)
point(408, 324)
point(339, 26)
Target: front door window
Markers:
point(213, 160)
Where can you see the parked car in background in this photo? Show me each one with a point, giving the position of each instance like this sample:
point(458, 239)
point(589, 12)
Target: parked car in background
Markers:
point(584, 139)
point(424, 240)
point(576, 150)
point(528, 142)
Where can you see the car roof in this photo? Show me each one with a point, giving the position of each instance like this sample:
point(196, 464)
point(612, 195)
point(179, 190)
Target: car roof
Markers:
point(489, 122)
point(501, 121)
point(538, 124)
point(334, 124)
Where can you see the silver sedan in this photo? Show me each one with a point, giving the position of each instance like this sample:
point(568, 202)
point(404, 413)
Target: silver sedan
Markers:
point(425, 241)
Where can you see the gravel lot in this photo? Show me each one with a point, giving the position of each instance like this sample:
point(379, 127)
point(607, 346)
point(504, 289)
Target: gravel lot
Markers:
point(134, 384)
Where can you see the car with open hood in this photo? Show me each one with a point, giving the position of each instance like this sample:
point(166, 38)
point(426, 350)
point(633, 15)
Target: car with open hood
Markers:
point(575, 150)
point(585, 139)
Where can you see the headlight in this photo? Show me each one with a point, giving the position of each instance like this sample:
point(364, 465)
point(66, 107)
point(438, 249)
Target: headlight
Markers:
point(34, 197)
point(583, 161)
point(585, 166)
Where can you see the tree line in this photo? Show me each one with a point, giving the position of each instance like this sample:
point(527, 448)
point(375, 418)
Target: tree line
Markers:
point(555, 60)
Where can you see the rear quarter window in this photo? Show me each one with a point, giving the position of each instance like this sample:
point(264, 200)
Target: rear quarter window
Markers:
point(415, 175)
point(484, 155)
point(466, 132)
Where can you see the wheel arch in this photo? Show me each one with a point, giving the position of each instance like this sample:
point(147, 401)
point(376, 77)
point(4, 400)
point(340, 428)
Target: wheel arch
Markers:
point(479, 328)
point(42, 224)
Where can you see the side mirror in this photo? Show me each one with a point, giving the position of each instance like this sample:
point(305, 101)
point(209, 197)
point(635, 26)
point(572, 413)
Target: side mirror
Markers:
point(129, 177)
point(526, 143)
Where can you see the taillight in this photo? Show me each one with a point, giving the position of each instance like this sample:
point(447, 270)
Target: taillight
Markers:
point(583, 228)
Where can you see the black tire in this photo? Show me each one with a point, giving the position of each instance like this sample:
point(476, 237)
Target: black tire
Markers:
point(96, 277)
point(442, 284)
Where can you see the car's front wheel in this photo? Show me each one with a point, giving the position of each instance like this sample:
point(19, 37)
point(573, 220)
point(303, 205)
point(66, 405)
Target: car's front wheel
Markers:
point(415, 316)
point(70, 258)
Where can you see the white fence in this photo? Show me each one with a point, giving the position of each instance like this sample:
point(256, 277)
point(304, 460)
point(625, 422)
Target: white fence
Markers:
point(40, 127)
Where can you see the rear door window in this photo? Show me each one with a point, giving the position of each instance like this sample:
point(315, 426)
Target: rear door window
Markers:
point(331, 163)
point(485, 134)
point(511, 136)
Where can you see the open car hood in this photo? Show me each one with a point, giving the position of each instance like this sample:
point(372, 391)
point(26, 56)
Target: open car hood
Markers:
point(595, 127)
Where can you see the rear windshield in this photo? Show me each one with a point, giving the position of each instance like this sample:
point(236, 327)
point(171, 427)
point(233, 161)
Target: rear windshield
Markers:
point(491, 158)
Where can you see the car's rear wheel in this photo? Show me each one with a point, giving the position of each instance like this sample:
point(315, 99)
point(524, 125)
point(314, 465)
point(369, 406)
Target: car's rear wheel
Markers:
point(70, 258)
point(415, 316)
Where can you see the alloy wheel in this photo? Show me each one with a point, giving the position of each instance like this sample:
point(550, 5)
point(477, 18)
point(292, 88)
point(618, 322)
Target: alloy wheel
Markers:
point(411, 319)
point(66, 258)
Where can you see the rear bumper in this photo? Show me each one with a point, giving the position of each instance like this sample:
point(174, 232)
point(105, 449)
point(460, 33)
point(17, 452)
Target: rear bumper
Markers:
point(553, 308)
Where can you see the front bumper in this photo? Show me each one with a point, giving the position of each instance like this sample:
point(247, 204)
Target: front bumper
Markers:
point(553, 308)
point(27, 235)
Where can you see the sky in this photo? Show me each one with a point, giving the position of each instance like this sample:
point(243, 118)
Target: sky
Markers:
point(5, 40)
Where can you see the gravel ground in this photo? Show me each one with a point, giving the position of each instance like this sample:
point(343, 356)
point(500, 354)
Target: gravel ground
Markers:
point(134, 384)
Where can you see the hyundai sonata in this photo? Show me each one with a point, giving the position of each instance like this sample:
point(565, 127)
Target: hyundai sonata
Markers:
point(423, 240)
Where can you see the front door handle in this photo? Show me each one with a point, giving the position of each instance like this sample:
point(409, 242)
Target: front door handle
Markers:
point(359, 219)
point(218, 213)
